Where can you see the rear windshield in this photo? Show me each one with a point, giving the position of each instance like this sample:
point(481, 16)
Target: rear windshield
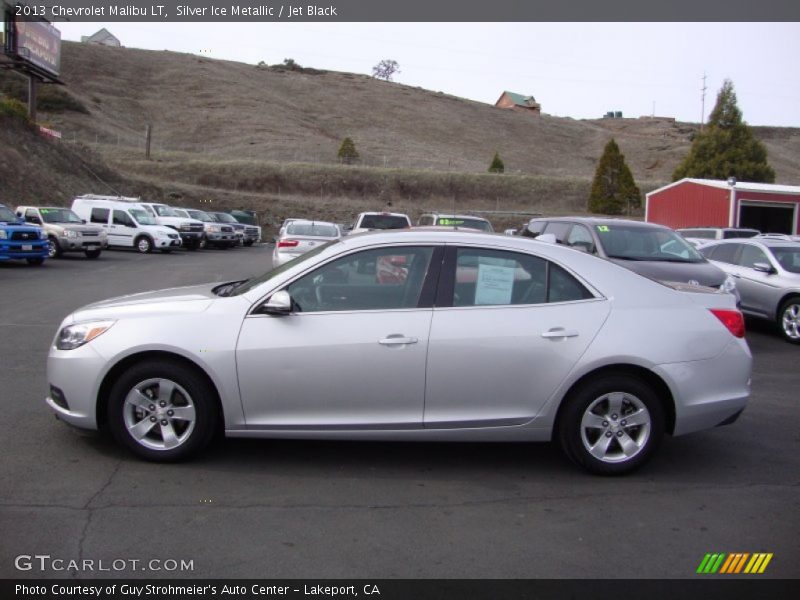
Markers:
point(383, 222)
point(789, 258)
point(312, 229)
point(479, 224)
point(629, 242)
point(739, 233)
point(705, 234)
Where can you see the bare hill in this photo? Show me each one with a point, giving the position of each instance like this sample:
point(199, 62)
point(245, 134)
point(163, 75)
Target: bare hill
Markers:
point(248, 135)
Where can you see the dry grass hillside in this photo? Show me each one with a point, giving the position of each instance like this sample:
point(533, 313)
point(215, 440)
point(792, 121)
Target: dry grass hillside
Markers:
point(252, 135)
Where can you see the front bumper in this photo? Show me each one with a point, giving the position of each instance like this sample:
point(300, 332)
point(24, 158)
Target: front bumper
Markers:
point(76, 375)
point(82, 243)
point(191, 238)
point(10, 250)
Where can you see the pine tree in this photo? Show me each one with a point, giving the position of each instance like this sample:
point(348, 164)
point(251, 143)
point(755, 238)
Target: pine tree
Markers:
point(347, 151)
point(613, 190)
point(497, 165)
point(726, 147)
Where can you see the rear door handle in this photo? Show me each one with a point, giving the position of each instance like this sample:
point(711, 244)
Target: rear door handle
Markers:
point(559, 333)
point(397, 339)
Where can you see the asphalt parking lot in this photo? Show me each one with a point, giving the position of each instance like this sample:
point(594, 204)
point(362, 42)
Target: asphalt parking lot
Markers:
point(285, 509)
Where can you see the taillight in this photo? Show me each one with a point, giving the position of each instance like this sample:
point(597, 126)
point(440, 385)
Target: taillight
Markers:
point(732, 319)
point(288, 243)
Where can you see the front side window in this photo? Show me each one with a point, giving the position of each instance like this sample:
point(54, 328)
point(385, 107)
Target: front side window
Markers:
point(6, 215)
point(141, 216)
point(486, 277)
point(122, 218)
point(376, 279)
point(751, 255)
point(580, 237)
point(788, 258)
point(559, 230)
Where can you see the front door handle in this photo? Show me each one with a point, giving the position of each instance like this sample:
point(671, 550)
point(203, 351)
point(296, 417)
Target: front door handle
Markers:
point(397, 339)
point(559, 333)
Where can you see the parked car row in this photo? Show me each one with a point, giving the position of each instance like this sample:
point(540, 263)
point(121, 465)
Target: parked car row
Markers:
point(95, 223)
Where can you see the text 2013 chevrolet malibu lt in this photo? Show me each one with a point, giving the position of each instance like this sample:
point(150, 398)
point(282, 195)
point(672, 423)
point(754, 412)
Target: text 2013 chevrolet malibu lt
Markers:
point(410, 335)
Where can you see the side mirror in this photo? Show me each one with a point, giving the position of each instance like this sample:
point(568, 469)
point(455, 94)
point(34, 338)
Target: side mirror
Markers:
point(83, 221)
point(280, 303)
point(763, 268)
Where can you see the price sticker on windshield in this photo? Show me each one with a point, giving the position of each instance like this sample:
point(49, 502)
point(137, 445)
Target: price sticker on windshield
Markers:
point(603, 228)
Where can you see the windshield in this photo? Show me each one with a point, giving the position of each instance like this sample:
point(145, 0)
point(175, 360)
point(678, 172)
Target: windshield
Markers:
point(200, 216)
point(59, 215)
point(142, 216)
point(6, 215)
point(630, 242)
point(162, 210)
point(244, 217)
point(479, 224)
point(224, 218)
point(313, 229)
point(256, 281)
point(383, 222)
point(788, 258)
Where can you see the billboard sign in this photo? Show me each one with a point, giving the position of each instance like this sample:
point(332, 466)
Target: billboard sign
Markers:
point(39, 43)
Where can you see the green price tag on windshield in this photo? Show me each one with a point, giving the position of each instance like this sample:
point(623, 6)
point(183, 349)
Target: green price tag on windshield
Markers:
point(602, 228)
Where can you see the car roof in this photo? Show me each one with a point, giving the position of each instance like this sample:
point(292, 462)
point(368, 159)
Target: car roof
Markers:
point(453, 216)
point(383, 214)
point(601, 221)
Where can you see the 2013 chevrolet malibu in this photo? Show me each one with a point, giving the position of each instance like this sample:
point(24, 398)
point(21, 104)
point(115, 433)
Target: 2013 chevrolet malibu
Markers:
point(410, 335)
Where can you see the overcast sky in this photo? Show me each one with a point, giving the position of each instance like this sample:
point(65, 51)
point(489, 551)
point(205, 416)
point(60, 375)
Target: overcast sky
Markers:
point(578, 70)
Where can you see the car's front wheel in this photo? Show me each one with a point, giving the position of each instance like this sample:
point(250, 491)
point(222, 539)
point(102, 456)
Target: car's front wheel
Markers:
point(789, 320)
point(144, 244)
point(162, 410)
point(611, 425)
point(53, 249)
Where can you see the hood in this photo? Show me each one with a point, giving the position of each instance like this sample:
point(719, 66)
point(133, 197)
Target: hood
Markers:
point(164, 230)
point(78, 227)
point(701, 273)
point(180, 294)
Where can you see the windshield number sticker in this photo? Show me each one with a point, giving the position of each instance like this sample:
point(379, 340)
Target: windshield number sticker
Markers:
point(602, 228)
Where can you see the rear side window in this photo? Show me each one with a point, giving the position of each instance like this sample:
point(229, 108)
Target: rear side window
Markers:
point(534, 228)
point(722, 253)
point(486, 277)
point(99, 215)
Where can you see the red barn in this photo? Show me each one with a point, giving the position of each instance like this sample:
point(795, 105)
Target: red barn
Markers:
point(767, 207)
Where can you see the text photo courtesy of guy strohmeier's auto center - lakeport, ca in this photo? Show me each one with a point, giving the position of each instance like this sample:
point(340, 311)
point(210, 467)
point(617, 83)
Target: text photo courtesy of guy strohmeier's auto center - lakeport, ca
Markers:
point(244, 263)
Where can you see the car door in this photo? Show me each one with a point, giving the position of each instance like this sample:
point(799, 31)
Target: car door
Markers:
point(351, 354)
point(759, 290)
point(122, 229)
point(507, 329)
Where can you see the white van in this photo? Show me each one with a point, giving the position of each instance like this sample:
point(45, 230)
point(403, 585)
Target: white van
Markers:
point(190, 230)
point(127, 224)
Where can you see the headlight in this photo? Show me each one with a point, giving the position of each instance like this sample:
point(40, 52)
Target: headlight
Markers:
point(69, 233)
point(729, 285)
point(214, 228)
point(42, 234)
point(3, 235)
point(74, 336)
point(161, 234)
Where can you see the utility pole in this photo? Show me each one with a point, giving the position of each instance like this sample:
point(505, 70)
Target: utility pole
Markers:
point(703, 102)
point(32, 86)
point(147, 137)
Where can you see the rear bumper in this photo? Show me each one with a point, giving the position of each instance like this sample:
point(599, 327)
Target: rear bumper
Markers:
point(711, 392)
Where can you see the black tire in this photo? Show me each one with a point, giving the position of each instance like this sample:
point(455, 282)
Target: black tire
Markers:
point(143, 244)
point(203, 243)
point(53, 249)
point(248, 243)
point(36, 262)
point(598, 395)
point(193, 384)
point(788, 320)
point(92, 254)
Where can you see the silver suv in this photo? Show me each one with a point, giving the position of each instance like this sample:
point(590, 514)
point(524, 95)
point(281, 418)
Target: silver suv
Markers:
point(767, 273)
point(66, 231)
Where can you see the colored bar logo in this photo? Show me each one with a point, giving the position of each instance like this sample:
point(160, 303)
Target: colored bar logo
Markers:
point(735, 563)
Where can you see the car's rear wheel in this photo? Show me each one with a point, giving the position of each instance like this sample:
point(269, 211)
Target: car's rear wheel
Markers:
point(789, 320)
point(611, 425)
point(162, 411)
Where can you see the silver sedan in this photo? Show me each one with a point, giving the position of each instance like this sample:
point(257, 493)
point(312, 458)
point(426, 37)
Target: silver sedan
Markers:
point(299, 236)
point(767, 273)
point(410, 335)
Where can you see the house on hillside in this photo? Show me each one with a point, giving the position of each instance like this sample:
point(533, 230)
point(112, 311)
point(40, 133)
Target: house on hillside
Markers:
point(518, 102)
point(103, 37)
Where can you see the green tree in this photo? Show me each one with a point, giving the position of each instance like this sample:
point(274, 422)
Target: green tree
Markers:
point(497, 165)
point(613, 190)
point(726, 147)
point(347, 151)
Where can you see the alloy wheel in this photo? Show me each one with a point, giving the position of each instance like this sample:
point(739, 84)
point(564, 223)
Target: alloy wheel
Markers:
point(790, 321)
point(159, 414)
point(615, 427)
